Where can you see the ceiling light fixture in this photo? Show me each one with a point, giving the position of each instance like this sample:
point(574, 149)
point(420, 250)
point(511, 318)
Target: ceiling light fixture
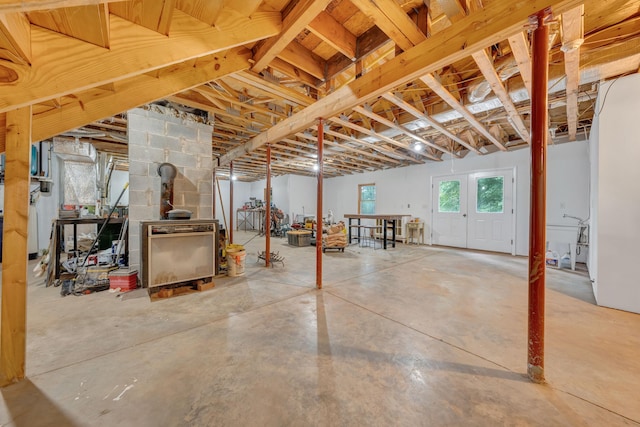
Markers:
point(418, 147)
point(315, 167)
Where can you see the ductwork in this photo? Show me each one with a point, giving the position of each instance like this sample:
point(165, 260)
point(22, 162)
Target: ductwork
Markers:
point(167, 173)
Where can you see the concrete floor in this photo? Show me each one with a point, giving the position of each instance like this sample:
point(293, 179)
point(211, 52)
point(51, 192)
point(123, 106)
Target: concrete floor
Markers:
point(415, 335)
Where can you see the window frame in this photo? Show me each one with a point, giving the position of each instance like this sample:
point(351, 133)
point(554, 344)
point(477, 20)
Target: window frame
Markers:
point(360, 200)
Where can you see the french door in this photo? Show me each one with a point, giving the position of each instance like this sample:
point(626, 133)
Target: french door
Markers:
point(474, 211)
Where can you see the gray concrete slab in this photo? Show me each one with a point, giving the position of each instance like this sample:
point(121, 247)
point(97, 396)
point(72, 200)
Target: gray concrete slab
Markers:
point(415, 335)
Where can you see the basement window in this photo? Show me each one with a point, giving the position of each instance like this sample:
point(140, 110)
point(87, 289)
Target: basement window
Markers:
point(367, 199)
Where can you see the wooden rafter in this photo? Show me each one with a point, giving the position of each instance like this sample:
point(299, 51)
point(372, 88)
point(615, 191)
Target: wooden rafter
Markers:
point(88, 23)
point(434, 83)
point(282, 92)
point(344, 122)
point(296, 54)
point(135, 51)
point(572, 39)
point(334, 34)
point(153, 14)
point(11, 6)
point(520, 48)
point(423, 116)
point(138, 90)
point(400, 128)
point(488, 71)
point(391, 19)
point(15, 38)
point(295, 21)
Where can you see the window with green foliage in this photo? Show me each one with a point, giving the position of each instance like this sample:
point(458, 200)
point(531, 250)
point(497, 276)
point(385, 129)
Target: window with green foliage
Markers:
point(366, 199)
point(449, 196)
point(490, 195)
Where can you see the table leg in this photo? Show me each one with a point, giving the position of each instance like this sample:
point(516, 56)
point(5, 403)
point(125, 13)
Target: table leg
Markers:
point(56, 267)
point(350, 230)
point(384, 233)
point(393, 232)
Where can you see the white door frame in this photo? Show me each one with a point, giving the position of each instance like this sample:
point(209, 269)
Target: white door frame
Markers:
point(467, 173)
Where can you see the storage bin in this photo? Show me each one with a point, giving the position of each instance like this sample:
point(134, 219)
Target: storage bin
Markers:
point(125, 280)
point(299, 238)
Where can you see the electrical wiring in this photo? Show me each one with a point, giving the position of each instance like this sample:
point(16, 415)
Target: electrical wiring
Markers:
point(604, 99)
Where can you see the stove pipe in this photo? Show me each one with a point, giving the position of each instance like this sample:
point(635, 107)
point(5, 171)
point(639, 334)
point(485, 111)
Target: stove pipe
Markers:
point(167, 174)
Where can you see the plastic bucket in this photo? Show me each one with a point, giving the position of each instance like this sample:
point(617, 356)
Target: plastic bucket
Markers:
point(235, 260)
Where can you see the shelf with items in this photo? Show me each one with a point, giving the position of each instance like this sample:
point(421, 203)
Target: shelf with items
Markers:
point(401, 233)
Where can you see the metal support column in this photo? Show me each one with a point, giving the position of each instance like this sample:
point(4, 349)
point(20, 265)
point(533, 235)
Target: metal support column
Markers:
point(319, 207)
point(537, 222)
point(231, 203)
point(267, 220)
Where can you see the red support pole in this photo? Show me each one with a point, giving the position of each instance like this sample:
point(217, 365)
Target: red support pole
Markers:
point(319, 207)
point(537, 222)
point(267, 225)
point(231, 203)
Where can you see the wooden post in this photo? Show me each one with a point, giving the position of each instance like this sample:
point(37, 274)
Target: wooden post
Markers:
point(267, 226)
point(319, 207)
point(537, 222)
point(13, 331)
point(231, 203)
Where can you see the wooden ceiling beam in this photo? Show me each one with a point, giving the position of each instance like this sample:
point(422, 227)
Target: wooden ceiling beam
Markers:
point(520, 47)
point(423, 116)
point(152, 14)
point(454, 9)
point(334, 34)
point(400, 128)
point(366, 155)
point(134, 51)
point(243, 7)
point(363, 130)
point(276, 89)
point(292, 24)
point(390, 154)
point(204, 10)
point(489, 72)
point(89, 23)
point(368, 43)
point(393, 21)
point(206, 90)
point(435, 85)
point(296, 54)
point(331, 152)
point(139, 90)
point(491, 25)
point(12, 6)
point(15, 38)
point(295, 72)
point(572, 39)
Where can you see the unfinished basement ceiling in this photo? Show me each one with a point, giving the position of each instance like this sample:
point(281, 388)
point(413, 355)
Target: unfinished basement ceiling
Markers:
point(447, 76)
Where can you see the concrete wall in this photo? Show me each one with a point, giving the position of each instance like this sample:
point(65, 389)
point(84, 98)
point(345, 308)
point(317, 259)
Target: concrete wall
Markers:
point(163, 135)
point(616, 205)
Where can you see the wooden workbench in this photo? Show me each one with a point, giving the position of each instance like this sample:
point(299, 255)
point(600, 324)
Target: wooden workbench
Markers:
point(388, 220)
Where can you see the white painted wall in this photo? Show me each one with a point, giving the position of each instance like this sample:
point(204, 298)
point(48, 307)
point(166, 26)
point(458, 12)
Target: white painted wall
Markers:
point(294, 194)
point(616, 205)
point(117, 183)
point(407, 190)
point(241, 194)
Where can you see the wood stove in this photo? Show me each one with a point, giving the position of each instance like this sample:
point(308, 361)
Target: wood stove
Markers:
point(176, 251)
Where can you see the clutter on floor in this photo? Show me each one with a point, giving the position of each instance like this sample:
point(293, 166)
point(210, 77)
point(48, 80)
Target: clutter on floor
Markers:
point(336, 237)
point(273, 257)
